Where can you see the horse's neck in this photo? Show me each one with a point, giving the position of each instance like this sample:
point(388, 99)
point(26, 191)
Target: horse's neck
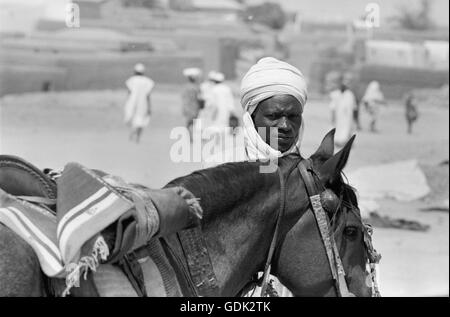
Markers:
point(238, 241)
point(240, 212)
point(239, 215)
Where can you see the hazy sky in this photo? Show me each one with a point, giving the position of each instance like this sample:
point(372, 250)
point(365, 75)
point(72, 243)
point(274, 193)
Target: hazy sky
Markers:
point(54, 9)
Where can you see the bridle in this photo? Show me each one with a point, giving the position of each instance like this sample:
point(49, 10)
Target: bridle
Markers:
point(311, 182)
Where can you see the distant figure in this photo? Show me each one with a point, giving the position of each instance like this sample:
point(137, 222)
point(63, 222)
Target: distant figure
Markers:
point(343, 102)
point(222, 102)
point(207, 111)
point(351, 83)
point(191, 97)
point(137, 107)
point(410, 111)
point(332, 86)
point(373, 99)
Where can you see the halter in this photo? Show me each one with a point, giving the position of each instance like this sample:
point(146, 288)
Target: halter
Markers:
point(337, 269)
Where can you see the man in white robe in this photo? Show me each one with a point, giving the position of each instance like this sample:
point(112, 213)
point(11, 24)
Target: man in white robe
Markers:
point(137, 108)
point(373, 100)
point(222, 101)
point(343, 104)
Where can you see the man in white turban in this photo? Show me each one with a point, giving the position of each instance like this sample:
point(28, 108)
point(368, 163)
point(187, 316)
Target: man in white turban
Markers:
point(273, 95)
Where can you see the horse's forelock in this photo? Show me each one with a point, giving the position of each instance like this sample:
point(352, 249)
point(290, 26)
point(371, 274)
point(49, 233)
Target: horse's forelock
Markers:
point(348, 198)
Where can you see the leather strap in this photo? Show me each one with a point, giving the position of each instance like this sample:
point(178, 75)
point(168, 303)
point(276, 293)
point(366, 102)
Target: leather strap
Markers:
point(133, 269)
point(181, 271)
point(334, 260)
point(273, 244)
point(199, 262)
point(155, 251)
point(130, 266)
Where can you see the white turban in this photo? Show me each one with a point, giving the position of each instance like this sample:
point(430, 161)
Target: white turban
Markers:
point(139, 68)
point(216, 76)
point(192, 72)
point(270, 77)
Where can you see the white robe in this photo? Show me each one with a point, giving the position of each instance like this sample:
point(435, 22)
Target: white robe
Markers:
point(222, 102)
point(374, 98)
point(136, 107)
point(343, 104)
point(206, 114)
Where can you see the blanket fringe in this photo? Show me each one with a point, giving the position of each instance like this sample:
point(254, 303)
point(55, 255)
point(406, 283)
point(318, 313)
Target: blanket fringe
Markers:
point(74, 271)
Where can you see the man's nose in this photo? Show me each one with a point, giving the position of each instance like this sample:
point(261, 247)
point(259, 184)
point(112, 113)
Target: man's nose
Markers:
point(283, 123)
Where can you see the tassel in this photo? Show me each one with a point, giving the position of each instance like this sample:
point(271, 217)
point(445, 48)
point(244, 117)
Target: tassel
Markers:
point(86, 263)
point(271, 291)
point(192, 201)
point(72, 278)
point(194, 207)
point(100, 248)
point(375, 287)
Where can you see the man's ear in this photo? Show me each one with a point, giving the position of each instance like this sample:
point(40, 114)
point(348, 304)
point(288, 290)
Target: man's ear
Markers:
point(332, 168)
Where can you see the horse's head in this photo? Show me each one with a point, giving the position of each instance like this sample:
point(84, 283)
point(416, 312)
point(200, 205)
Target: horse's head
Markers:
point(301, 263)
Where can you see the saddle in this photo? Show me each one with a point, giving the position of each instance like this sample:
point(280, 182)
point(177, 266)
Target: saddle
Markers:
point(21, 178)
point(25, 181)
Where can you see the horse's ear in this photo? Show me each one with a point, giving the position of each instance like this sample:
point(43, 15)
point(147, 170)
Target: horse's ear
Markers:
point(326, 148)
point(332, 168)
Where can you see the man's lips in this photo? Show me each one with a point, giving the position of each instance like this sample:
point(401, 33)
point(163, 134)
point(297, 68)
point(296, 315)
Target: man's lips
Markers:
point(285, 137)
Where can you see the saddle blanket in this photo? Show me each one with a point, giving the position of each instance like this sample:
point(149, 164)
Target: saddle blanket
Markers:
point(95, 223)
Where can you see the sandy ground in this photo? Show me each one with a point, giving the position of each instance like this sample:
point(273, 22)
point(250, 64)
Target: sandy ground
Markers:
point(53, 129)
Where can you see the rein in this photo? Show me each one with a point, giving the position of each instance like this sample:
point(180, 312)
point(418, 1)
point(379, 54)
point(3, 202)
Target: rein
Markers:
point(334, 260)
point(273, 244)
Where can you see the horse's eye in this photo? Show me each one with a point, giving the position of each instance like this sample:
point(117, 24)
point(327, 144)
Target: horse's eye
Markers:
point(351, 231)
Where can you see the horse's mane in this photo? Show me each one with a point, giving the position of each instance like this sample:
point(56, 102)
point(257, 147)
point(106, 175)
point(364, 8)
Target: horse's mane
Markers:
point(226, 186)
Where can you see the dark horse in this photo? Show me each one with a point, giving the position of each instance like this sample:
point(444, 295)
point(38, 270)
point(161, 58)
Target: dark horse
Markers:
point(240, 207)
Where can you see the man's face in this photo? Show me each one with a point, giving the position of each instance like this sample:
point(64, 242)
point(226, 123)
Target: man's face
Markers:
point(284, 114)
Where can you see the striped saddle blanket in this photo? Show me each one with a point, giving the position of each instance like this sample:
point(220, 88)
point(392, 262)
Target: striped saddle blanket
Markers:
point(100, 219)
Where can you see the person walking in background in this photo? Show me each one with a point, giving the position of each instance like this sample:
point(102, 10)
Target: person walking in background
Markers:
point(191, 98)
point(344, 103)
point(372, 100)
point(137, 107)
point(332, 85)
point(410, 111)
point(349, 80)
point(222, 102)
point(207, 111)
